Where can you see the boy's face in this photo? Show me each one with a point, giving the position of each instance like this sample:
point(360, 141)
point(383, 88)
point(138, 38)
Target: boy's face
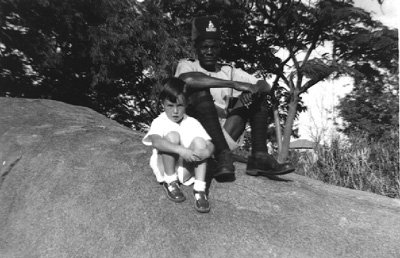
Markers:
point(175, 111)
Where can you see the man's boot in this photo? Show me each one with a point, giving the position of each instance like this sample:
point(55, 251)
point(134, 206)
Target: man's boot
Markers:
point(263, 164)
point(260, 162)
point(224, 171)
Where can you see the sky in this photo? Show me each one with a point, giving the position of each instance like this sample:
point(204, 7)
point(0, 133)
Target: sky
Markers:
point(388, 13)
point(323, 98)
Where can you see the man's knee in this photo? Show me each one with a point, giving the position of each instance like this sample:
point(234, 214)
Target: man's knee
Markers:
point(199, 96)
point(173, 137)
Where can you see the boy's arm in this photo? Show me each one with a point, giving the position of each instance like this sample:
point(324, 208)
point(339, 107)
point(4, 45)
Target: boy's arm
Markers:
point(166, 146)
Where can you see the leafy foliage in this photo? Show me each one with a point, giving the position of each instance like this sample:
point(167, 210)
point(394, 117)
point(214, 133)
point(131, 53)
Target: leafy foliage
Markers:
point(101, 54)
point(110, 55)
point(372, 108)
point(373, 105)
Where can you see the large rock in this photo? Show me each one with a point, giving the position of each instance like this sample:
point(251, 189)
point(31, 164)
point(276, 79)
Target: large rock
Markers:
point(76, 184)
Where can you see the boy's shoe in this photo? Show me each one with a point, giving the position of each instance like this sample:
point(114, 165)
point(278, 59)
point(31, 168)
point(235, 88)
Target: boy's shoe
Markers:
point(224, 170)
point(174, 192)
point(201, 203)
point(263, 164)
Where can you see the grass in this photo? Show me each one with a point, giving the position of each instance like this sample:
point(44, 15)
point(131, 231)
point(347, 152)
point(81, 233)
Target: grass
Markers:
point(355, 163)
point(358, 163)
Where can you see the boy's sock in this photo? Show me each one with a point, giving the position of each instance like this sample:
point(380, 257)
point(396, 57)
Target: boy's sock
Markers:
point(170, 178)
point(199, 186)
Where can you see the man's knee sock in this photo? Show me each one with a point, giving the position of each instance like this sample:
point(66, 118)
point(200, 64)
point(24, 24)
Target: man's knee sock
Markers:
point(201, 106)
point(259, 125)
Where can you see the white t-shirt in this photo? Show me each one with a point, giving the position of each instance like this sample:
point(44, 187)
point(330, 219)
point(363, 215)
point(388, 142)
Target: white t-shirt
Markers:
point(188, 129)
point(221, 95)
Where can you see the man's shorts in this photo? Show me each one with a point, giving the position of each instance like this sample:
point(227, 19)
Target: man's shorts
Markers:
point(233, 145)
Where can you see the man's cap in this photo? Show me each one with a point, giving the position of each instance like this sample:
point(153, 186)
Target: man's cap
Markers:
point(205, 27)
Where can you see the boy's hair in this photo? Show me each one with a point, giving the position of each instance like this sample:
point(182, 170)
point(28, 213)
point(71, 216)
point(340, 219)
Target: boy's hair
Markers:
point(172, 89)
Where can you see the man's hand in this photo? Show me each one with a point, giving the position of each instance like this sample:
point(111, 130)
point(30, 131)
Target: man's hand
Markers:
point(246, 98)
point(249, 90)
point(245, 87)
point(262, 87)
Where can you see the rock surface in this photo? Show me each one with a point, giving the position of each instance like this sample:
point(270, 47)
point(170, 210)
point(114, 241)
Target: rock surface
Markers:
point(76, 184)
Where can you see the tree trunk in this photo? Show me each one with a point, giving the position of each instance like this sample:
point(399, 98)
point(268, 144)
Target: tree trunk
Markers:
point(278, 130)
point(283, 154)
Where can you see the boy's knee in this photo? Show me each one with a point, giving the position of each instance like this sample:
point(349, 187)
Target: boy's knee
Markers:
point(173, 137)
point(199, 143)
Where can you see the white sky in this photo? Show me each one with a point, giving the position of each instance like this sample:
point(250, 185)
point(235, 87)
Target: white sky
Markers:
point(388, 13)
point(322, 98)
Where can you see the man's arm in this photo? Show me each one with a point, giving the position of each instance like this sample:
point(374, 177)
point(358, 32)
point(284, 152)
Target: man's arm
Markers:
point(198, 80)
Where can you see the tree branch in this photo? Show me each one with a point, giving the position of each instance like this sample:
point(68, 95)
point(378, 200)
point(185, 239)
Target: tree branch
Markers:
point(312, 47)
point(293, 57)
point(308, 85)
point(262, 10)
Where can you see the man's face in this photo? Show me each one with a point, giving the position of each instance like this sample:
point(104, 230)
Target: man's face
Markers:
point(175, 110)
point(208, 52)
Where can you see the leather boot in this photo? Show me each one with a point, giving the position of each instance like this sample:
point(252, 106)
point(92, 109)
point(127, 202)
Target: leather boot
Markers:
point(263, 164)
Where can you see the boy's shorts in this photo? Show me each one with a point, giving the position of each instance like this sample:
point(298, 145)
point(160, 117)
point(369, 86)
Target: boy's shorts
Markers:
point(185, 173)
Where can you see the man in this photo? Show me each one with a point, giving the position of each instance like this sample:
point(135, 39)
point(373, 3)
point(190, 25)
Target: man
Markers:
point(218, 92)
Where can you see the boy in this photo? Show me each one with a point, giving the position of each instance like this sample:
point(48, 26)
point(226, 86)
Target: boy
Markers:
point(180, 145)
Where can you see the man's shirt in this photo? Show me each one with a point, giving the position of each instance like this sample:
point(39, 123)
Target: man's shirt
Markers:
point(221, 95)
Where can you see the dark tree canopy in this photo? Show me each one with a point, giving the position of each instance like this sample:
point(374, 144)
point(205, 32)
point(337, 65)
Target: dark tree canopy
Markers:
point(100, 54)
point(110, 55)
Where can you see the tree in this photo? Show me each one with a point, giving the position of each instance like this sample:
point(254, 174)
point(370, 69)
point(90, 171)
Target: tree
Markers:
point(372, 108)
point(102, 54)
point(52, 42)
point(109, 55)
point(257, 31)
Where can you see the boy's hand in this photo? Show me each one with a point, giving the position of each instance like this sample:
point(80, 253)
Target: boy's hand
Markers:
point(189, 155)
point(203, 154)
